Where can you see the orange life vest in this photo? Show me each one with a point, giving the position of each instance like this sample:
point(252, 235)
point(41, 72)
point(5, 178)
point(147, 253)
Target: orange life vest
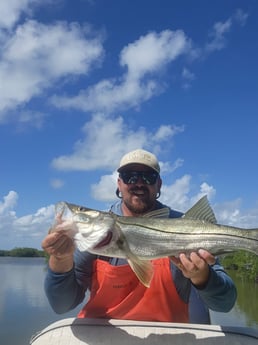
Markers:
point(116, 293)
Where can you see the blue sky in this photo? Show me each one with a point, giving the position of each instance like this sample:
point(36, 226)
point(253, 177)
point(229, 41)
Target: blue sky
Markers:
point(82, 82)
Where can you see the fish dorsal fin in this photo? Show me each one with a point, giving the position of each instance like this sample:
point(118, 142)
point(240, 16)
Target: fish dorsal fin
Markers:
point(202, 211)
point(160, 213)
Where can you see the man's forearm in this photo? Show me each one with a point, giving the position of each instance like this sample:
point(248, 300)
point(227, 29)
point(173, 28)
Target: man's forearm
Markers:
point(63, 291)
point(60, 264)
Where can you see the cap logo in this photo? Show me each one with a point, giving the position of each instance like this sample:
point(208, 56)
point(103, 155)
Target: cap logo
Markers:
point(139, 155)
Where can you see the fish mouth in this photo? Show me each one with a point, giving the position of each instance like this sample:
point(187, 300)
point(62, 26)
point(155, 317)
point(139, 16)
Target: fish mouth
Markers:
point(105, 241)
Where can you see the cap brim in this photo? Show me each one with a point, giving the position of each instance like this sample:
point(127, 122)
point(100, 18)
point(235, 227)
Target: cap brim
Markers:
point(126, 166)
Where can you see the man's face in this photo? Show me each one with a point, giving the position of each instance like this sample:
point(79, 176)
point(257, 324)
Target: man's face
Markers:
point(139, 196)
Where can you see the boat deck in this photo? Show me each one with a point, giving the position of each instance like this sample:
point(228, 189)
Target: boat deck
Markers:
point(74, 331)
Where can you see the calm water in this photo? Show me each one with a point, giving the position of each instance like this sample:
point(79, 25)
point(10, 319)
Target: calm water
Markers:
point(24, 309)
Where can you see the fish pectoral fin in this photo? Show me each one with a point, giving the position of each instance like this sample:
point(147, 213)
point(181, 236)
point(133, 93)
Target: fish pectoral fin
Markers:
point(202, 211)
point(143, 270)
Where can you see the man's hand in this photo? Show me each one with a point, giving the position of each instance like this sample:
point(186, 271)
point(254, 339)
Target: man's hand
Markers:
point(60, 247)
point(195, 266)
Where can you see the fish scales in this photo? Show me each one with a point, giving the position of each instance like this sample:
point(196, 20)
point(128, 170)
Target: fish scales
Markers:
point(182, 236)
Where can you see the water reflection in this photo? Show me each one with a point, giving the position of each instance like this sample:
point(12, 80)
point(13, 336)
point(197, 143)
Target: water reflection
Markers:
point(24, 309)
point(22, 282)
point(247, 301)
point(245, 312)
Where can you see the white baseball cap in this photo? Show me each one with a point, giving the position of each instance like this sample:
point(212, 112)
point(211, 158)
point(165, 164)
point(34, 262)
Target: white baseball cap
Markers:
point(139, 157)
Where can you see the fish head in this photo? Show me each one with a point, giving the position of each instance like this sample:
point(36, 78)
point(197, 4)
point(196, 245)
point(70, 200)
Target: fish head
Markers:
point(95, 229)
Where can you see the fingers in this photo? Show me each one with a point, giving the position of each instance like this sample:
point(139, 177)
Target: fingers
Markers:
point(195, 258)
point(51, 239)
point(195, 266)
point(58, 244)
point(207, 256)
point(191, 263)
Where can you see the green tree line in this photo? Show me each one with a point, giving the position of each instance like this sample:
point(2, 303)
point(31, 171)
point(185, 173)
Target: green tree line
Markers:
point(23, 252)
point(245, 263)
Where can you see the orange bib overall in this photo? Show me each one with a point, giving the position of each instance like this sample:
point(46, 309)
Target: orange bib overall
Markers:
point(116, 293)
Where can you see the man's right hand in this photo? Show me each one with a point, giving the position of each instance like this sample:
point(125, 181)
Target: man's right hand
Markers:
point(60, 247)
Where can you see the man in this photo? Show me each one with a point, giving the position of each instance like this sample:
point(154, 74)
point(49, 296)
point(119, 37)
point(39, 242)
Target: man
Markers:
point(180, 288)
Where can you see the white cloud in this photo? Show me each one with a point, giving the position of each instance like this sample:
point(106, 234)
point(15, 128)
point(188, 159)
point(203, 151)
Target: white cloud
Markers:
point(37, 55)
point(35, 221)
point(179, 197)
point(11, 11)
point(10, 201)
point(205, 189)
point(220, 29)
point(165, 132)
point(230, 213)
point(218, 40)
point(28, 230)
point(152, 52)
point(101, 147)
point(148, 55)
point(105, 190)
point(176, 194)
point(109, 96)
point(144, 60)
point(107, 140)
point(168, 167)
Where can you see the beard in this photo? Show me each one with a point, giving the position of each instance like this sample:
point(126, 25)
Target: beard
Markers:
point(139, 203)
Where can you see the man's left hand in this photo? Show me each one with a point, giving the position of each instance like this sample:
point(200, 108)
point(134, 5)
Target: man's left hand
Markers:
point(195, 266)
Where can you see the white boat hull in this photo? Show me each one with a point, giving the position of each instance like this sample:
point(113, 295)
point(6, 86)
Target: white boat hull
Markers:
point(74, 331)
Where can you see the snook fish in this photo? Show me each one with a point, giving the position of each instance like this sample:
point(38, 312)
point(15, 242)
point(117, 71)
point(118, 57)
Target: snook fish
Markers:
point(141, 239)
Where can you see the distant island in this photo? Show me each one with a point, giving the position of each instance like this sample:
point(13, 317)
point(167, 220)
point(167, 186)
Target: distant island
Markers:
point(23, 252)
point(246, 264)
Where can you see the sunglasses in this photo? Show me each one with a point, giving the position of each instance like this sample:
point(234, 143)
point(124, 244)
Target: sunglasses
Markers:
point(131, 177)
